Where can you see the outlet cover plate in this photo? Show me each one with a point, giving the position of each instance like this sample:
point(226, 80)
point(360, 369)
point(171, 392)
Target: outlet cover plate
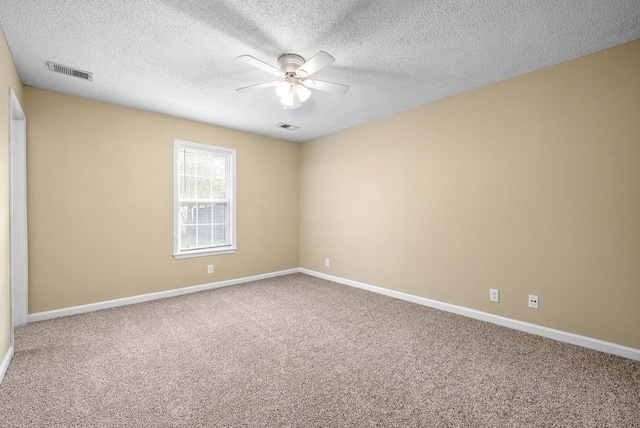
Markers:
point(494, 295)
point(533, 301)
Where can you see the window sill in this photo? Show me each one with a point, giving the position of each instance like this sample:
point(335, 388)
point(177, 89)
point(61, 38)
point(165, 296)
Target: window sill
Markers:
point(203, 253)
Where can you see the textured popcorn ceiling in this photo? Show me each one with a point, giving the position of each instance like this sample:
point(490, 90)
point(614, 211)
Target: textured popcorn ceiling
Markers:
point(178, 57)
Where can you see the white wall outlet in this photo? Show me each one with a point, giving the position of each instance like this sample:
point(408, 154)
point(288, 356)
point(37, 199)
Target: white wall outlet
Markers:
point(494, 295)
point(210, 269)
point(326, 262)
point(533, 301)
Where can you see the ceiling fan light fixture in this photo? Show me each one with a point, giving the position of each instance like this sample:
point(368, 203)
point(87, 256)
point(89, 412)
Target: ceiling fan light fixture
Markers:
point(302, 92)
point(292, 100)
point(296, 100)
point(287, 101)
point(288, 98)
point(283, 89)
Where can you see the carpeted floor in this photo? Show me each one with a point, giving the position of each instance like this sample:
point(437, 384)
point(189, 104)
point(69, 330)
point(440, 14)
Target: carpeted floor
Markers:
point(298, 351)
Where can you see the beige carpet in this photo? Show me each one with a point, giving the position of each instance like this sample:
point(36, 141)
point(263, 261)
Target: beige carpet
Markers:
point(297, 351)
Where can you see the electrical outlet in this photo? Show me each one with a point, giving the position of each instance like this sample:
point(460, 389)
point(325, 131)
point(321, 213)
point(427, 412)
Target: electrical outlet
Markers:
point(533, 301)
point(326, 262)
point(494, 295)
point(210, 269)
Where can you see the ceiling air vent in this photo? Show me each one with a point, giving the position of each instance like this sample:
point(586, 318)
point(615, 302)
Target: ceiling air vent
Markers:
point(59, 68)
point(287, 126)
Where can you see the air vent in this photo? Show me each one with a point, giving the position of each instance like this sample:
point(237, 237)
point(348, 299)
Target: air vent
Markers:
point(287, 126)
point(59, 68)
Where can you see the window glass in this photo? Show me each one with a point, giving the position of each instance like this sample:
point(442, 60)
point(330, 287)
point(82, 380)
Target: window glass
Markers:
point(204, 199)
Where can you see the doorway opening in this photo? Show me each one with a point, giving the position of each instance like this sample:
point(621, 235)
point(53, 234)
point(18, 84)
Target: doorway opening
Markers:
point(18, 212)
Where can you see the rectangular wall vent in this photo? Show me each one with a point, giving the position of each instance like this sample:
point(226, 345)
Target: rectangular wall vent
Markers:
point(69, 71)
point(287, 126)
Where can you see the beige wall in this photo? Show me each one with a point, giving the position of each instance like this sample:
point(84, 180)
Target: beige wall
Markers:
point(8, 79)
point(100, 198)
point(531, 186)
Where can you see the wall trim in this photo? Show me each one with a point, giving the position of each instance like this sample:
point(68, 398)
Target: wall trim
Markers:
point(562, 336)
point(74, 310)
point(5, 362)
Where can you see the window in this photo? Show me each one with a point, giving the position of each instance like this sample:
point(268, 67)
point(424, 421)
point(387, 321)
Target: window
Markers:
point(204, 200)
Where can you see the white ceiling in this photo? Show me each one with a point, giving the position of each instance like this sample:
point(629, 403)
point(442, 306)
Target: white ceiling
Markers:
point(178, 57)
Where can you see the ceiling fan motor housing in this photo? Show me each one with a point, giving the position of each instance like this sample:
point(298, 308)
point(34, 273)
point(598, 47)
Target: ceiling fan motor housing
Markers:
point(289, 63)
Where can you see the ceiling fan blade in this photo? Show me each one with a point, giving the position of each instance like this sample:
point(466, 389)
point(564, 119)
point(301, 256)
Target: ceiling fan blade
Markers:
point(258, 86)
point(317, 62)
point(335, 88)
point(248, 59)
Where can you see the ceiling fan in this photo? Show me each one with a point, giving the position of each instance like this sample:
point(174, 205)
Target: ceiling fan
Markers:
point(294, 83)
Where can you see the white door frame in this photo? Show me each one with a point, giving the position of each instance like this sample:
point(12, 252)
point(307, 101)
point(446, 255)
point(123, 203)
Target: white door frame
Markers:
point(18, 212)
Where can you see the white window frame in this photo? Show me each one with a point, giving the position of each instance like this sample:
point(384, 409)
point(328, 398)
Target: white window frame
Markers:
point(231, 201)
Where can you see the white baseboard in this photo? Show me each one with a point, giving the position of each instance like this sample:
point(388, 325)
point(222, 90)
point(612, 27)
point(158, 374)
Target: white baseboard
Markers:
point(74, 310)
point(5, 362)
point(562, 336)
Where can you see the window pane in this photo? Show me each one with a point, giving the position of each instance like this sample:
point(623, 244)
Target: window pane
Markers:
point(204, 213)
point(187, 186)
point(204, 236)
point(187, 213)
point(189, 162)
point(181, 162)
point(186, 174)
point(219, 178)
point(203, 164)
point(220, 213)
point(219, 234)
point(220, 224)
point(203, 224)
point(204, 188)
point(188, 237)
